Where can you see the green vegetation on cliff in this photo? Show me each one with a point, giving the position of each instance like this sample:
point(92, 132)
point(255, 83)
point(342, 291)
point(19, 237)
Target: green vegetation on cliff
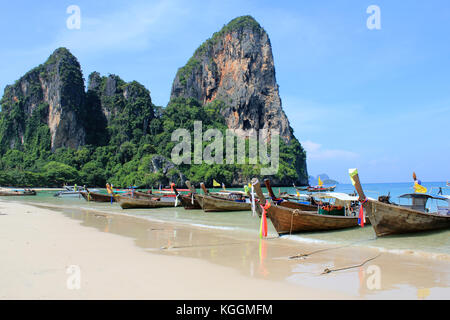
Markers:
point(130, 162)
point(125, 140)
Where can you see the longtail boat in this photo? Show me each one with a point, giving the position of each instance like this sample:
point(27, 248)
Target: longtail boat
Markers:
point(390, 219)
point(188, 201)
point(288, 220)
point(288, 204)
point(17, 192)
point(320, 189)
point(218, 204)
point(133, 203)
point(99, 197)
point(304, 188)
point(71, 191)
point(199, 197)
point(229, 201)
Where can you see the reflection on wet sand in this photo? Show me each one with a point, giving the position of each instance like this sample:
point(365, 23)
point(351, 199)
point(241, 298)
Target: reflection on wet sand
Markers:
point(387, 276)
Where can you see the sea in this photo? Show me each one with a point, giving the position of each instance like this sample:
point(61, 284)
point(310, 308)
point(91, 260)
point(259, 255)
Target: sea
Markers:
point(431, 243)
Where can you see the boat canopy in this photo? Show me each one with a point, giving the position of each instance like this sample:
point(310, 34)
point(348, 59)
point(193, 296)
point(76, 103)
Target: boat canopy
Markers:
point(338, 195)
point(422, 196)
point(419, 200)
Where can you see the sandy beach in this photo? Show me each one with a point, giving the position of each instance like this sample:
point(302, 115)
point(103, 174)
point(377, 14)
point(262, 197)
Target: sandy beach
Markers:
point(38, 247)
point(55, 253)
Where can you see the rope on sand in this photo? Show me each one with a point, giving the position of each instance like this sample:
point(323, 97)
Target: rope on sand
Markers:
point(303, 255)
point(326, 270)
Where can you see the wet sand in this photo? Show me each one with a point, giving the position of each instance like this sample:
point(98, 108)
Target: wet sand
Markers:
point(132, 258)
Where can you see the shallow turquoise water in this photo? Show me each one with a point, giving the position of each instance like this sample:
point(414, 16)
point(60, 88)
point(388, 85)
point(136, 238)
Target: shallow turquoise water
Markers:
point(433, 242)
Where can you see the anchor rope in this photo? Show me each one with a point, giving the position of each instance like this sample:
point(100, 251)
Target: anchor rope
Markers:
point(301, 255)
point(327, 270)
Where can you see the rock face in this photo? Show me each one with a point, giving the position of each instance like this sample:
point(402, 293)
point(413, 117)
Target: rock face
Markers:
point(56, 86)
point(236, 66)
point(126, 106)
point(168, 170)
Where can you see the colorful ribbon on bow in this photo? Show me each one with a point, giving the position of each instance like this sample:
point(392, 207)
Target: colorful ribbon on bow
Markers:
point(362, 216)
point(263, 226)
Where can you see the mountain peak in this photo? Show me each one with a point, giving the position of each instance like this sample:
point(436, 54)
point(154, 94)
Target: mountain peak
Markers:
point(61, 54)
point(236, 67)
point(242, 22)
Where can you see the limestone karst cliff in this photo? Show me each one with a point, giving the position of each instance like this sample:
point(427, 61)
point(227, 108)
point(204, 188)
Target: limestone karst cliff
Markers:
point(126, 108)
point(55, 90)
point(236, 66)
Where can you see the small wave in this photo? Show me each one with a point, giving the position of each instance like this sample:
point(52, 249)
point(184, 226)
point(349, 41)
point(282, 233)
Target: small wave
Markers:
point(415, 253)
point(212, 227)
point(307, 240)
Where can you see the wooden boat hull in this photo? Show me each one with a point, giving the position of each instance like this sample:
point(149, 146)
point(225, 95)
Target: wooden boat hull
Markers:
point(199, 198)
point(388, 219)
point(299, 206)
point(143, 195)
point(133, 203)
point(287, 220)
point(27, 193)
point(213, 204)
point(186, 202)
point(98, 197)
point(67, 194)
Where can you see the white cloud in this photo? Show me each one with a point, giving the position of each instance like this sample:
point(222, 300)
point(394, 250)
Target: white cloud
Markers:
point(313, 115)
point(314, 151)
point(137, 27)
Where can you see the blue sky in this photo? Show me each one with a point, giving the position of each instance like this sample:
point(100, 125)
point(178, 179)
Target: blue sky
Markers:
point(378, 100)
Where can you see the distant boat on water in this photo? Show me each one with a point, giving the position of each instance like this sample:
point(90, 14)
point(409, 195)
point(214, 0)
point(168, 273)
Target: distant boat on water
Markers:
point(72, 191)
point(318, 188)
point(17, 192)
